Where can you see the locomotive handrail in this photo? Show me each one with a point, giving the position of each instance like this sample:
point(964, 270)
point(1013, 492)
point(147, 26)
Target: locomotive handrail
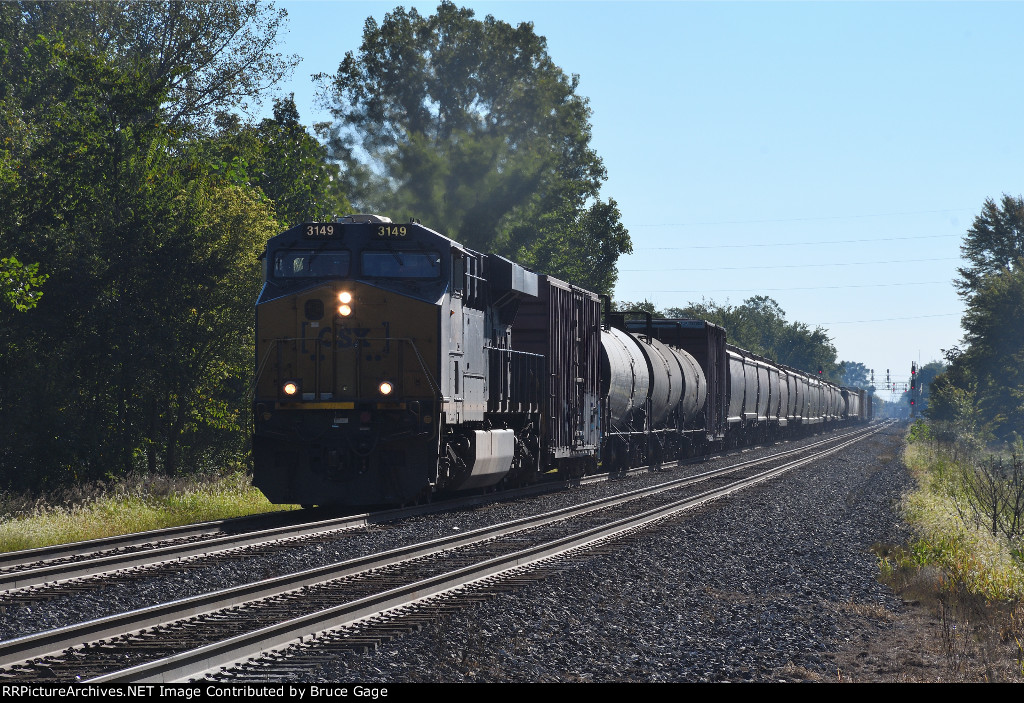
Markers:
point(259, 372)
point(419, 357)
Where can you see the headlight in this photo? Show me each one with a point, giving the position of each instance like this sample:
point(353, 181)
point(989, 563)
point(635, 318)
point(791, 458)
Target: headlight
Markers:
point(386, 388)
point(290, 387)
point(344, 310)
point(345, 297)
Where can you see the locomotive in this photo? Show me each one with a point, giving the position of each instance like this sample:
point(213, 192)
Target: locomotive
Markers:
point(393, 363)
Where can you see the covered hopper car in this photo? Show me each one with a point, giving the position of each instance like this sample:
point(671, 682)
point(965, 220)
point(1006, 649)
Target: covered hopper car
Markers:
point(393, 363)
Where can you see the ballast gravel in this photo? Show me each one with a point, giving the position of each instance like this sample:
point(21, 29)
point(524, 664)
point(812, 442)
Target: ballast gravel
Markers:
point(760, 586)
point(766, 585)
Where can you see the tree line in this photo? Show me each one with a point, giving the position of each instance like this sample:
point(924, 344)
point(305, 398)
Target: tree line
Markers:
point(759, 325)
point(982, 390)
point(138, 195)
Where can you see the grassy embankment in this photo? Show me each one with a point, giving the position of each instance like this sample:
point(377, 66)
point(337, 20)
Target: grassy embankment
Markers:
point(132, 505)
point(971, 578)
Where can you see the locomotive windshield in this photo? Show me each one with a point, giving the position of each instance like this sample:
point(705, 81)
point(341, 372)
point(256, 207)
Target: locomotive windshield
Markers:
point(309, 263)
point(401, 264)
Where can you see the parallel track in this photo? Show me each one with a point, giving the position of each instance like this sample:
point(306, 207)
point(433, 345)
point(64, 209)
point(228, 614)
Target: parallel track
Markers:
point(280, 610)
point(57, 565)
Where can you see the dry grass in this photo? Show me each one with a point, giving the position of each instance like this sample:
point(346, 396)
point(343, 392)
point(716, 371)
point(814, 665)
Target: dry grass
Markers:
point(971, 581)
point(981, 563)
point(135, 504)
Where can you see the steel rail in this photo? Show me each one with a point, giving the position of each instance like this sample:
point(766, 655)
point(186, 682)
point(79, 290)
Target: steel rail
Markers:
point(108, 558)
point(209, 658)
point(17, 651)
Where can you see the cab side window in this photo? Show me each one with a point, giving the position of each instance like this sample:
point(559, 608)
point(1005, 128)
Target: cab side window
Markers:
point(474, 282)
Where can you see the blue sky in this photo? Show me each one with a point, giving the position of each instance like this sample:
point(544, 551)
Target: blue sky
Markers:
point(829, 155)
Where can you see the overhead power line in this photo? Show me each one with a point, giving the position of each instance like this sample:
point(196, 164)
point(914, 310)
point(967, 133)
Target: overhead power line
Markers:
point(803, 219)
point(886, 319)
point(762, 290)
point(796, 244)
point(796, 266)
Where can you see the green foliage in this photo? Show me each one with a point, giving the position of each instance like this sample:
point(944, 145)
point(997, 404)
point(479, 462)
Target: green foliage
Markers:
point(759, 325)
point(855, 374)
point(983, 386)
point(949, 534)
point(994, 243)
point(645, 306)
point(200, 56)
point(988, 372)
point(996, 348)
point(133, 504)
point(581, 246)
point(19, 284)
point(919, 432)
point(281, 158)
point(139, 353)
point(469, 126)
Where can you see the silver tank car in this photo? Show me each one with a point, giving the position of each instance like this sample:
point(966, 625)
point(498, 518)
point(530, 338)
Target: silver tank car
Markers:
point(625, 381)
point(653, 393)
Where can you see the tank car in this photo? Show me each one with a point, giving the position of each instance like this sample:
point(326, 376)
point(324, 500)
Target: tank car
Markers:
point(705, 343)
point(392, 363)
point(385, 369)
point(654, 396)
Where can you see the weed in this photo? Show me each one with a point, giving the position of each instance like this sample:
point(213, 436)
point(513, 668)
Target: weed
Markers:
point(964, 563)
point(135, 504)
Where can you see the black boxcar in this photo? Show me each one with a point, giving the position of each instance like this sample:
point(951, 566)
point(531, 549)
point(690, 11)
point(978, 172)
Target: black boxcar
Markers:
point(564, 325)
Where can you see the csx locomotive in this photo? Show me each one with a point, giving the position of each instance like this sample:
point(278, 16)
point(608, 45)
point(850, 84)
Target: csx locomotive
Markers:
point(393, 363)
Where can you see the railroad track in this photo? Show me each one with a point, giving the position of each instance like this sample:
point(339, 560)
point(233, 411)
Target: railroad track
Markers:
point(50, 571)
point(182, 639)
point(66, 562)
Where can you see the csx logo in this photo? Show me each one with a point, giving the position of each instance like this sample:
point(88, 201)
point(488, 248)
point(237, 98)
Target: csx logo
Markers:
point(342, 338)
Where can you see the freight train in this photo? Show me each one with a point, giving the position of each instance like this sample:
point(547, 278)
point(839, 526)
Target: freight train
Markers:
point(393, 363)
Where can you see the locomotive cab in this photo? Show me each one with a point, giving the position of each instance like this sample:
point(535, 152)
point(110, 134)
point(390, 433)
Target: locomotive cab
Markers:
point(347, 328)
point(374, 341)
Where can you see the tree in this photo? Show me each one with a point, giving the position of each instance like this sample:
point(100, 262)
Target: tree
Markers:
point(581, 246)
point(202, 56)
point(855, 374)
point(633, 310)
point(759, 325)
point(994, 242)
point(469, 126)
point(982, 389)
point(284, 160)
point(995, 352)
point(20, 284)
point(138, 352)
